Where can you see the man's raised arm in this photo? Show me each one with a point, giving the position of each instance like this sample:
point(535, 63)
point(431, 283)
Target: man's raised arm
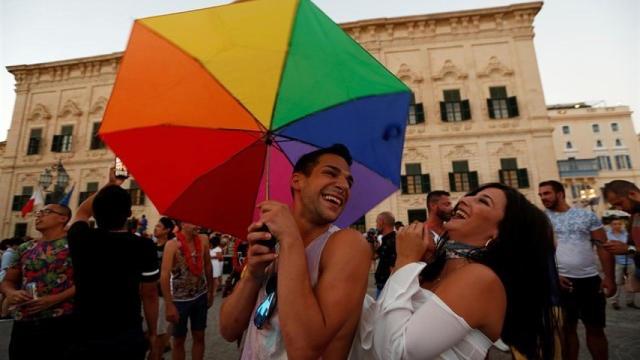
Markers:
point(312, 319)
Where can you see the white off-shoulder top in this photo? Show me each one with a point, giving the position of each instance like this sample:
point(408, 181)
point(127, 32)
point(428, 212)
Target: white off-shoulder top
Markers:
point(409, 322)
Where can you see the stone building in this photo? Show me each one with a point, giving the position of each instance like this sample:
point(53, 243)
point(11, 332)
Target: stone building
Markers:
point(479, 113)
point(58, 109)
point(594, 145)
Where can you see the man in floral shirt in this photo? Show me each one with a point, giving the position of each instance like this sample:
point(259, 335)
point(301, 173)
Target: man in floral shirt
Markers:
point(43, 305)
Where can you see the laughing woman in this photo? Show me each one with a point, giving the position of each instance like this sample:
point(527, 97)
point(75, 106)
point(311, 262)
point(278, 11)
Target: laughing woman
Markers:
point(491, 277)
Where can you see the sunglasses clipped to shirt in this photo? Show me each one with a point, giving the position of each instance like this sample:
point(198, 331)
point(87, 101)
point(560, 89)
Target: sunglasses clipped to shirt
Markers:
point(268, 304)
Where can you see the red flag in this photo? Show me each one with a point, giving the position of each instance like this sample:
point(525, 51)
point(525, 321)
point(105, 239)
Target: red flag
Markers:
point(35, 200)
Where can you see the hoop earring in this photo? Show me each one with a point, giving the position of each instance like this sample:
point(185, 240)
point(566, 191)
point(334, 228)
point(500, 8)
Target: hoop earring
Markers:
point(488, 242)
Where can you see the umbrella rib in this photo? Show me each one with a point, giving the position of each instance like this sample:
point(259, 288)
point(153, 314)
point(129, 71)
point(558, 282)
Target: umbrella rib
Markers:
point(284, 64)
point(259, 134)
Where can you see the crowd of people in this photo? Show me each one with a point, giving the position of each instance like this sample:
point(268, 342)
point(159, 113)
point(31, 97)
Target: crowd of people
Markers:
point(492, 272)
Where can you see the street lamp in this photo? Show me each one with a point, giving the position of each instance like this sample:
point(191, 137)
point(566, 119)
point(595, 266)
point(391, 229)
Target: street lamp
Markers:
point(62, 180)
point(589, 196)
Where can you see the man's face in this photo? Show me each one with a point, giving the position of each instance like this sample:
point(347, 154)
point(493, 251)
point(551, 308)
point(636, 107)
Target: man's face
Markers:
point(188, 228)
point(624, 203)
point(160, 230)
point(549, 198)
point(325, 192)
point(617, 225)
point(51, 216)
point(379, 223)
point(443, 208)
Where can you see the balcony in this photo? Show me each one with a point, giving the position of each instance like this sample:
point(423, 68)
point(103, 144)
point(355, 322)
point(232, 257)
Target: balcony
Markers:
point(578, 168)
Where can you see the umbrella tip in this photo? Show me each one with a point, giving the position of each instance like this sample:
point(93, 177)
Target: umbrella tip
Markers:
point(268, 138)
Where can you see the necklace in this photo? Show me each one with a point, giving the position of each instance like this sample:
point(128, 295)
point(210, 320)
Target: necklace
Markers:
point(194, 267)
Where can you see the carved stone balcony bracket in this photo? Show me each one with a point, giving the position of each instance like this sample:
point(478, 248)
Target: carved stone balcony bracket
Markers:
point(449, 68)
point(496, 66)
point(39, 112)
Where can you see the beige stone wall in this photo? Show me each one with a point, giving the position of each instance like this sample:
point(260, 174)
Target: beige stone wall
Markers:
point(49, 96)
point(584, 144)
point(471, 51)
point(468, 50)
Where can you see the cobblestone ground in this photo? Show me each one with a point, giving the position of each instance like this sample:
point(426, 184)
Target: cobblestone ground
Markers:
point(623, 332)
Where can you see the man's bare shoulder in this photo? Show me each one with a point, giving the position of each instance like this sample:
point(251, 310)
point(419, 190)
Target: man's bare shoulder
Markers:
point(348, 244)
point(171, 244)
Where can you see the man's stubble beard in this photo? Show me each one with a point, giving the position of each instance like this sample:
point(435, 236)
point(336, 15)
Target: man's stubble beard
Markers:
point(443, 215)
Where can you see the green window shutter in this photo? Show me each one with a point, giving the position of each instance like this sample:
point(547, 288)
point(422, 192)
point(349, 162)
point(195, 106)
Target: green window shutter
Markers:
point(426, 183)
point(501, 173)
point(16, 205)
point(443, 111)
point(465, 109)
point(490, 107)
point(523, 178)
point(452, 182)
point(56, 143)
point(403, 182)
point(473, 180)
point(419, 113)
point(512, 107)
point(34, 146)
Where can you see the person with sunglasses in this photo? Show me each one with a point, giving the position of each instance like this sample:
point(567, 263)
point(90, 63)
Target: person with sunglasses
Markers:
point(302, 300)
point(40, 286)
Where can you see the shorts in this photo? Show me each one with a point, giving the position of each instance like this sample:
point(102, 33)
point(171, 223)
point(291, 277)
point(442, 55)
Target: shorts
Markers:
point(194, 310)
point(586, 302)
point(163, 325)
point(217, 269)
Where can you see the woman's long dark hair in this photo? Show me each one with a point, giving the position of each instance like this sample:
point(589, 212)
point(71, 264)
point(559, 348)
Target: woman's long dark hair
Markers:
point(523, 257)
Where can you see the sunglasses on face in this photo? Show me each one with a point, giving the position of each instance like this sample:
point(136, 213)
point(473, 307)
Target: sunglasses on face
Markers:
point(268, 304)
point(47, 212)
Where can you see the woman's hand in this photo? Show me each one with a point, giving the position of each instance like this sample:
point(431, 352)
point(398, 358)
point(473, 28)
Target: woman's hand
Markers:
point(414, 243)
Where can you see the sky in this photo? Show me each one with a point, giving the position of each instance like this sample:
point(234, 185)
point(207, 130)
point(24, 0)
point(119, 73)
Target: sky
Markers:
point(587, 50)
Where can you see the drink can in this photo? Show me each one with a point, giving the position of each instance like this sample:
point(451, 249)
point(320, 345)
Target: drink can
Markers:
point(32, 289)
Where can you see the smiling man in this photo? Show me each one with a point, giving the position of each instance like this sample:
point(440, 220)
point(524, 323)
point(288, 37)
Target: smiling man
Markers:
point(307, 303)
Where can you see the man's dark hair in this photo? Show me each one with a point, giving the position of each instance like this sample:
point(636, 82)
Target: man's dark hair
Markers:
point(215, 241)
point(398, 224)
point(308, 161)
point(434, 196)
point(619, 188)
point(111, 207)
point(555, 185)
point(168, 224)
point(14, 241)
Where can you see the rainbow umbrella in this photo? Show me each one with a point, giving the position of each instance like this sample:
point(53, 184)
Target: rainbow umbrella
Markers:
point(211, 107)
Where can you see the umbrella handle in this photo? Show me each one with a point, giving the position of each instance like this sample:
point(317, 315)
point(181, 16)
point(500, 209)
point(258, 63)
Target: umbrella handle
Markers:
point(266, 169)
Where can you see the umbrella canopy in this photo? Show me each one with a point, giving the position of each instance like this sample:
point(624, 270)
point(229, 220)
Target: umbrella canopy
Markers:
point(211, 105)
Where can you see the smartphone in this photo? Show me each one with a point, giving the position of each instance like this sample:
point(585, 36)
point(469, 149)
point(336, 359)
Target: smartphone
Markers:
point(120, 169)
point(271, 243)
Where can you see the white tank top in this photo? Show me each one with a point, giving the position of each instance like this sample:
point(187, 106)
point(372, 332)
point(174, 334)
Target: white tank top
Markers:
point(267, 343)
